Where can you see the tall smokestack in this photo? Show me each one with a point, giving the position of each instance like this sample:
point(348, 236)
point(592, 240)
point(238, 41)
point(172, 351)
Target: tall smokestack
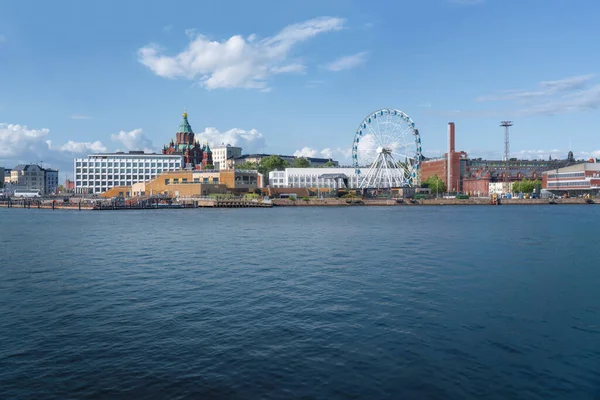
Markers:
point(450, 151)
point(450, 137)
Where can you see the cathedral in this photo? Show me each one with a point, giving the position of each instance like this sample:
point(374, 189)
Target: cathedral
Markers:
point(194, 155)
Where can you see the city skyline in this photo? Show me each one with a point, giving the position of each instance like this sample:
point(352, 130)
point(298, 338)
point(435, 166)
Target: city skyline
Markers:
point(84, 78)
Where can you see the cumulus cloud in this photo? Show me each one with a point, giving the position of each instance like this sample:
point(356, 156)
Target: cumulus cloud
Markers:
point(237, 62)
point(16, 140)
point(79, 147)
point(133, 140)
point(347, 62)
point(552, 97)
point(20, 144)
point(249, 140)
point(305, 152)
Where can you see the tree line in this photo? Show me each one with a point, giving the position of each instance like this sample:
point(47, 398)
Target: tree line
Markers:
point(276, 163)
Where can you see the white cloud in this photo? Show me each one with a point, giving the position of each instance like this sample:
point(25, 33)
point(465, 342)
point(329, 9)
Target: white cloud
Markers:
point(305, 152)
point(327, 153)
point(571, 94)
point(20, 144)
point(133, 140)
point(347, 62)
point(249, 140)
point(236, 62)
point(79, 147)
point(17, 140)
point(79, 116)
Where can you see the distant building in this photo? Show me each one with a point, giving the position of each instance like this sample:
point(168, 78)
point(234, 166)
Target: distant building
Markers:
point(69, 185)
point(7, 176)
point(29, 177)
point(51, 181)
point(99, 172)
point(220, 155)
point(580, 178)
point(1, 176)
point(185, 145)
point(330, 178)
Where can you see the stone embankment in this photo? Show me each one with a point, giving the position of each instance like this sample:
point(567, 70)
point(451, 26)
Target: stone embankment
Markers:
point(430, 202)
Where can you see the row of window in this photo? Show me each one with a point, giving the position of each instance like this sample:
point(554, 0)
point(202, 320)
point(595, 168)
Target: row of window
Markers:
point(122, 171)
point(125, 164)
point(570, 183)
point(115, 177)
point(566, 175)
point(176, 181)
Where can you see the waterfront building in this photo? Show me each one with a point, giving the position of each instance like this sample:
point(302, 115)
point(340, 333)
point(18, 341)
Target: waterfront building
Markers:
point(2, 176)
point(220, 155)
point(28, 177)
point(7, 176)
point(331, 178)
point(99, 172)
point(50, 181)
point(581, 178)
point(190, 183)
point(185, 145)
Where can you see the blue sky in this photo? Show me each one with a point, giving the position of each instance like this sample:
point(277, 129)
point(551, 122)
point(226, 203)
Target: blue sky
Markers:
point(296, 77)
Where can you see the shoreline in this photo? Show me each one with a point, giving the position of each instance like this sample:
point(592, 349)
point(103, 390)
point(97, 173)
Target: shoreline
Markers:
point(328, 202)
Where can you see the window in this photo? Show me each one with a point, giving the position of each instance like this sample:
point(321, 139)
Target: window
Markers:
point(175, 180)
point(184, 180)
point(196, 180)
point(167, 181)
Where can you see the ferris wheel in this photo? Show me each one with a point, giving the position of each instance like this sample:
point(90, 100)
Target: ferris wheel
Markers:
point(386, 151)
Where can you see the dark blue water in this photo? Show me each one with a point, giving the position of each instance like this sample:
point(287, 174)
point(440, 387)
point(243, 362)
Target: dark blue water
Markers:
point(324, 303)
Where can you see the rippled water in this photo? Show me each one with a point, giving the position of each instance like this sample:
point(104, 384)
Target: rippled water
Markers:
point(398, 303)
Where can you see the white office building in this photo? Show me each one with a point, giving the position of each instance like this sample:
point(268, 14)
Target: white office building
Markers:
point(220, 154)
point(99, 172)
point(332, 178)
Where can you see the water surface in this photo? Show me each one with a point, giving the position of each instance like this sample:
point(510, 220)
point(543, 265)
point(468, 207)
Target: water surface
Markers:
point(324, 303)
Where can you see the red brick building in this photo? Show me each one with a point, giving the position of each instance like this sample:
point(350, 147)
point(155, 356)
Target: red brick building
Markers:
point(194, 155)
point(450, 167)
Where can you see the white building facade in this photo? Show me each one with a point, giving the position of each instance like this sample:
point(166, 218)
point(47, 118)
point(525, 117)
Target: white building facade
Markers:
point(99, 172)
point(220, 154)
point(313, 178)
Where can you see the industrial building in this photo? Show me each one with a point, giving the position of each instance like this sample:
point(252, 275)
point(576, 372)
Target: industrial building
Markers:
point(581, 178)
point(475, 176)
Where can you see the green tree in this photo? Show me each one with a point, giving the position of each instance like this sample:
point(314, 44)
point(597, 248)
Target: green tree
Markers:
point(434, 183)
point(525, 186)
point(60, 189)
point(248, 166)
point(272, 163)
point(328, 164)
point(301, 162)
point(208, 167)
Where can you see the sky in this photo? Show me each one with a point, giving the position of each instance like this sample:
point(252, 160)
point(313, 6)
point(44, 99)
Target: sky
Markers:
point(296, 77)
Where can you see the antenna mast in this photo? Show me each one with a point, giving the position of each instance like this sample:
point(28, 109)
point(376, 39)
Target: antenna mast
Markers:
point(506, 125)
